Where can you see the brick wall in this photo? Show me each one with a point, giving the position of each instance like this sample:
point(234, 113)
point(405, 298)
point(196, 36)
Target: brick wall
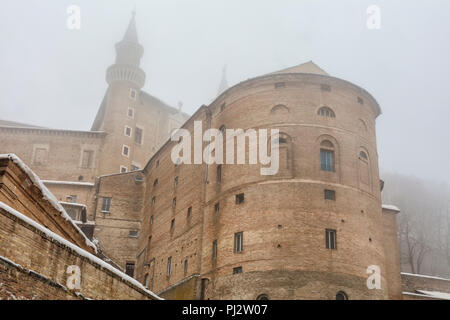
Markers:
point(32, 249)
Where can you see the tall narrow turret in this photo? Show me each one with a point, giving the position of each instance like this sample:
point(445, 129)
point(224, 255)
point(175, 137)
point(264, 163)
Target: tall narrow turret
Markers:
point(128, 57)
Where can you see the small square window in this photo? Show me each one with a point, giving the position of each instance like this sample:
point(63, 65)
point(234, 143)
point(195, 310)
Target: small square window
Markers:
point(237, 270)
point(133, 234)
point(330, 195)
point(240, 198)
point(360, 100)
point(123, 169)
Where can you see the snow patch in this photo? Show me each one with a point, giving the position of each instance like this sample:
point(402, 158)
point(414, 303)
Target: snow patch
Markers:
point(436, 294)
point(424, 276)
point(74, 183)
point(390, 207)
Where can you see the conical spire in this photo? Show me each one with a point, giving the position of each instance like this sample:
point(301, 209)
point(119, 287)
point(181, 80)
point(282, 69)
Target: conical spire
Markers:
point(128, 58)
point(223, 83)
point(131, 33)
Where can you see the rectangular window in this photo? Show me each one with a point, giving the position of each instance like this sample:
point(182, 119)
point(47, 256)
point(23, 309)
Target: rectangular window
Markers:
point(238, 242)
point(185, 266)
point(129, 269)
point(175, 182)
point(240, 198)
point(217, 208)
point(172, 224)
point(330, 195)
point(174, 202)
point(151, 220)
point(279, 85)
point(189, 213)
point(133, 94)
point(146, 280)
point(40, 156)
point(106, 204)
point(133, 234)
point(327, 160)
point(219, 174)
point(237, 270)
point(123, 169)
point(330, 239)
point(125, 151)
point(153, 201)
point(130, 113)
point(214, 250)
point(138, 135)
point(128, 131)
point(87, 159)
point(169, 266)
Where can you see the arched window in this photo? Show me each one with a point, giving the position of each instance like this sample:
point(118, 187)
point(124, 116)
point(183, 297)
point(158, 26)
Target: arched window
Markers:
point(327, 156)
point(363, 156)
point(364, 168)
point(326, 112)
point(341, 295)
point(362, 125)
point(279, 109)
point(263, 297)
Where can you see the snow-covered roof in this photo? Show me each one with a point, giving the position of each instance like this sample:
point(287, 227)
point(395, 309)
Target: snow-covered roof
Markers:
point(73, 204)
point(47, 195)
point(75, 183)
point(390, 207)
point(77, 249)
point(436, 294)
point(424, 276)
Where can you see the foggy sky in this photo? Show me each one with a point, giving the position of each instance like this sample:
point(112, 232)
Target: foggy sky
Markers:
point(55, 77)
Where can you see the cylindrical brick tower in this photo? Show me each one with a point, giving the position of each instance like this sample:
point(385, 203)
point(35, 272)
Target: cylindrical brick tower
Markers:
point(312, 230)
